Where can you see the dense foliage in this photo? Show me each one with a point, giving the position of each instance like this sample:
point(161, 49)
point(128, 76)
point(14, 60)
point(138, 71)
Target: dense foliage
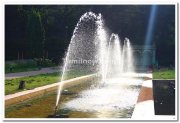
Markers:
point(45, 31)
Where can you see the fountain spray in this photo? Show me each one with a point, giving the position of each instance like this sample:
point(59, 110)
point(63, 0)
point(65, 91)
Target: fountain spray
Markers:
point(73, 46)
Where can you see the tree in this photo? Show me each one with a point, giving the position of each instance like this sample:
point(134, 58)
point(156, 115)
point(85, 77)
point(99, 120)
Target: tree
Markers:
point(57, 22)
point(35, 34)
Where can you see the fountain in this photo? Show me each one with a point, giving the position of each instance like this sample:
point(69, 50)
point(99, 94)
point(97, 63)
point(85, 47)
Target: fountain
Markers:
point(114, 61)
point(102, 39)
point(82, 50)
point(91, 50)
point(127, 56)
point(120, 58)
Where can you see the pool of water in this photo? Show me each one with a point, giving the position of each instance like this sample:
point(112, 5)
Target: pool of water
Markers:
point(115, 98)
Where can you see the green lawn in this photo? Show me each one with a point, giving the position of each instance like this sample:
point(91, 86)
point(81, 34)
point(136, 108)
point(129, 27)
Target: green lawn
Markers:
point(164, 74)
point(11, 86)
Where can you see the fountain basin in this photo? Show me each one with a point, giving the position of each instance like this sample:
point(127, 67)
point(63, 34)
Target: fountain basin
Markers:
point(87, 100)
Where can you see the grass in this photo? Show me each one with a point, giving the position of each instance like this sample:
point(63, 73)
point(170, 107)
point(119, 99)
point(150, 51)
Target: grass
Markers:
point(164, 74)
point(11, 86)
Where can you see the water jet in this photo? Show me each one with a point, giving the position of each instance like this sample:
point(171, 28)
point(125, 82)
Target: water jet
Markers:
point(91, 49)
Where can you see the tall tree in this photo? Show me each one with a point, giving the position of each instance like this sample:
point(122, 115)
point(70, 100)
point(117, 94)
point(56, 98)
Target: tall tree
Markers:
point(35, 34)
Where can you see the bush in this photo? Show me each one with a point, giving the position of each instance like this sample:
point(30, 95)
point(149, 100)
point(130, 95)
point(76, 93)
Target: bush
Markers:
point(27, 65)
point(44, 62)
point(19, 65)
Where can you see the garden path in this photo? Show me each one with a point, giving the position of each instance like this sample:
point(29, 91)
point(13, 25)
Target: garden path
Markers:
point(31, 73)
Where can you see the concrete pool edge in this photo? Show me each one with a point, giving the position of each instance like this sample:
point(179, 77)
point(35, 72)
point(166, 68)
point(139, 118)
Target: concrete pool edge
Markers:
point(141, 112)
point(25, 95)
